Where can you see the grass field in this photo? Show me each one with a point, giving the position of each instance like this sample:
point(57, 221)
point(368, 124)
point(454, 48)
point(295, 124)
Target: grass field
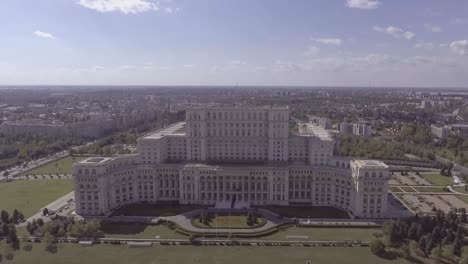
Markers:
point(155, 209)
point(461, 189)
point(139, 231)
point(30, 196)
point(437, 179)
point(407, 189)
point(332, 234)
point(61, 166)
point(229, 221)
point(111, 254)
point(463, 198)
point(307, 211)
point(394, 189)
point(431, 189)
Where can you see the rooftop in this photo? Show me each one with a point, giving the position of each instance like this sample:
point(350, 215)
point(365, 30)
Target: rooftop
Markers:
point(371, 164)
point(174, 129)
point(314, 130)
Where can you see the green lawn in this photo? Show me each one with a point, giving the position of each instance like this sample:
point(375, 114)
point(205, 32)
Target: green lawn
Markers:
point(307, 211)
point(229, 221)
point(30, 196)
point(434, 189)
point(113, 254)
point(461, 189)
point(332, 234)
point(463, 198)
point(437, 179)
point(394, 189)
point(139, 231)
point(61, 166)
point(407, 189)
point(148, 209)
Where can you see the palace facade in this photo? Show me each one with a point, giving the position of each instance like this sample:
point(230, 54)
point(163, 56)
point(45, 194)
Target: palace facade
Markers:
point(253, 155)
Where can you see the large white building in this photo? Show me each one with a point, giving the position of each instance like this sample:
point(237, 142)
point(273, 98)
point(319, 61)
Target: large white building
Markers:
point(224, 154)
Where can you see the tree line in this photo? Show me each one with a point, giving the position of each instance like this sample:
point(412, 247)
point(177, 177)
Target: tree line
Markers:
point(439, 236)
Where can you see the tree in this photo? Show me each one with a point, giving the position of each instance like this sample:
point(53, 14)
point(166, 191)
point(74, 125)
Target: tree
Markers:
point(422, 244)
point(27, 247)
point(429, 246)
point(193, 238)
point(5, 217)
point(390, 232)
point(413, 231)
point(377, 247)
point(45, 212)
point(463, 214)
point(457, 246)
point(40, 222)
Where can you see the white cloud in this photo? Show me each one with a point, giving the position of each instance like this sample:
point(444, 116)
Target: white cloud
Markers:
point(460, 47)
point(432, 28)
point(328, 41)
point(311, 51)
point(124, 6)
point(43, 34)
point(168, 10)
point(424, 45)
point(362, 4)
point(459, 21)
point(395, 32)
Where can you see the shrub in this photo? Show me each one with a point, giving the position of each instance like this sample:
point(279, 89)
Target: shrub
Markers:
point(27, 247)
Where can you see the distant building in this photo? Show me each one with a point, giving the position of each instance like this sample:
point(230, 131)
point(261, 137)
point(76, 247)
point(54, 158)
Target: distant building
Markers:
point(362, 129)
point(346, 128)
point(358, 129)
point(441, 132)
point(460, 130)
point(323, 122)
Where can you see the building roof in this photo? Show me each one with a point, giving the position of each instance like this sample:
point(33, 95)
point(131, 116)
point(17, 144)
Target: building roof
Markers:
point(174, 129)
point(371, 164)
point(314, 130)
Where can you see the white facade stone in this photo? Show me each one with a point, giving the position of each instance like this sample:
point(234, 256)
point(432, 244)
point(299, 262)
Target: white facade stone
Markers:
point(219, 153)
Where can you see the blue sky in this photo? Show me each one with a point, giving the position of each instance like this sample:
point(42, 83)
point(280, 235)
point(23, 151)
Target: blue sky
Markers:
point(250, 42)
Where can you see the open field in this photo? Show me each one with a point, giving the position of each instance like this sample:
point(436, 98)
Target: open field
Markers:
point(437, 179)
point(146, 209)
point(332, 234)
point(61, 166)
point(138, 231)
point(30, 196)
point(112, 254)
point(307, 211)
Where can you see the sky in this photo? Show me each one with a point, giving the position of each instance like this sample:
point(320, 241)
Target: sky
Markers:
point(390, 43)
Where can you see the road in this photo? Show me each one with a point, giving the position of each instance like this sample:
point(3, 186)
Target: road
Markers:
point(62, 206)
point(17, 170)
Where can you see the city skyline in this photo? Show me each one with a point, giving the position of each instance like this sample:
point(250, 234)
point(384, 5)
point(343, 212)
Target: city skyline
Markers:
point(173, 42)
